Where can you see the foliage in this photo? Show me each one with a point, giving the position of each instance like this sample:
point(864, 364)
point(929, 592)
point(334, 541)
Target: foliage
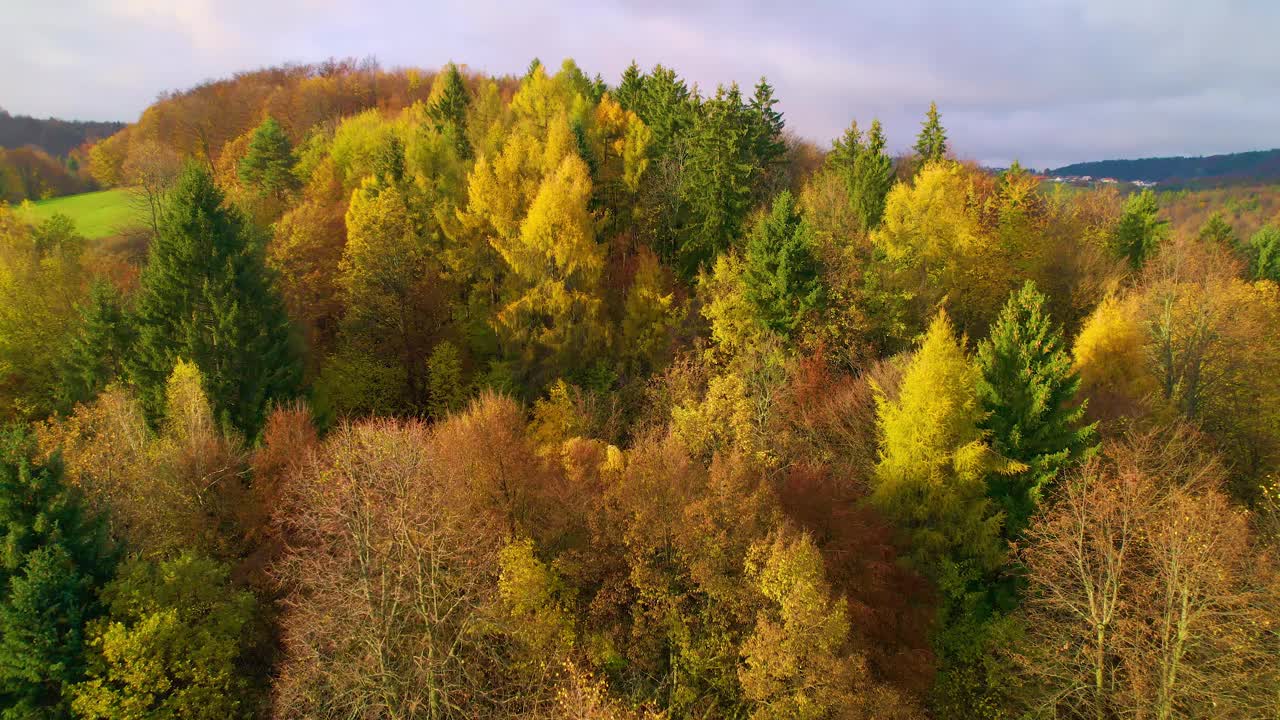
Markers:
point(782, 276)
point(1139, 231)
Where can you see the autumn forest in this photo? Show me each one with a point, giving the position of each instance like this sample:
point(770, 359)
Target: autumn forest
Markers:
point(431, 394)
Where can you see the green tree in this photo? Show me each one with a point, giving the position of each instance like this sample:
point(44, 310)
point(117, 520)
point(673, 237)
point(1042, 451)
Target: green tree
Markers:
point(1265, 248)
point(766, 127)
point(1028, 391)
point(172, 645)
point(52, 557)
point(449, 110)
point(207, 296)
point(630, 87)
point(268, 165)
point(931, 144)
point(719, 174)
point(1139, 231)
point(872, 178)
point(782, 274)
point(1217, 230)
point(98, 349)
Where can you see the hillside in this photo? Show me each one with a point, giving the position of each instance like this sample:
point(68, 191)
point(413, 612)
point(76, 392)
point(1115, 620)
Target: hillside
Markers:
point(95, 214)
point(1233, 168)
point(54, 136)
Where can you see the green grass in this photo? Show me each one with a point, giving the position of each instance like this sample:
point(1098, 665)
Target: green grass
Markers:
point(96, 214)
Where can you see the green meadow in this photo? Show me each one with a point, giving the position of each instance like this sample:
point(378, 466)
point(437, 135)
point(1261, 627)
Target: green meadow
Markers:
point(96, 214)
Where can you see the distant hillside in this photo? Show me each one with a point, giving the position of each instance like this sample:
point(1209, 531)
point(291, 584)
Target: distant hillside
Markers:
point(1245, 167)
point(56, 137)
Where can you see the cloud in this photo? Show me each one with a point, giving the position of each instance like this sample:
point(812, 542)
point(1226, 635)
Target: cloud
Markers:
point(1046, 81)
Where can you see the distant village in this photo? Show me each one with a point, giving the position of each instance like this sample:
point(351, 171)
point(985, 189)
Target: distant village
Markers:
point(1091, 180)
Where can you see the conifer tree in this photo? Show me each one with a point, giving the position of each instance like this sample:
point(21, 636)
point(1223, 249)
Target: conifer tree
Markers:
point(720, 170)
point(268, 165)
point(449, 111)
point(782, 274)
point(98, 348)
point(53, 557)
point(872, 178)
point(1139, 231)
point(766, 126)
point(931, 144)
point(1028, 391)
point(845, 151)
point(631, 88)
point(1264, 246)
point(207, 296)
point(934, 461)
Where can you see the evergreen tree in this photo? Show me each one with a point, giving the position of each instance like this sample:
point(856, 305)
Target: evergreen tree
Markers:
point(449, 111)
point(720, 169)
point(52, 558)
point(1264, 246)
point(872, 178)
point(388, 162)
point(931, 144)
point(630, 90)
point(665, 106)
point(268, 165)
point(1217, 231)
point(1139, 231)
point(207, 297)
point(1028, 391)
point(98, 348)
point(782, 274)
point(766, 127)
point(845, 151)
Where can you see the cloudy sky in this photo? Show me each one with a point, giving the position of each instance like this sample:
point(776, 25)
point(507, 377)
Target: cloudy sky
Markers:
point(1045, 81)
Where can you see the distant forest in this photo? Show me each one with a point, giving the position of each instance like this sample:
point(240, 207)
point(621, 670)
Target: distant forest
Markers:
point(1211, 170)
point(56, 137)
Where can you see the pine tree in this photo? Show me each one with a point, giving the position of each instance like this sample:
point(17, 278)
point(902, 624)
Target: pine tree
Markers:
point(1217, 230)
point(1139, 231)
point(1028, 390)
point(845, 151)
point(931, 145)
point(630, 90)
point(449, 111)
point(268, 165)
point(98, 348)
point(206, 296)
point(53, 557)
point(782, 274)
point(872, 179)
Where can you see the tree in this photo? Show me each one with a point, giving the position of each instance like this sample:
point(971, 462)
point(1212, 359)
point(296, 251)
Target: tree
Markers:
point(1265, 246)
point(97, 351)
point(207, 296)
point(1146, 596)
point(766, 128)
point(268, 165)
point(782, 274)
point(931, 143)
point(872, 179)
point(53, 556)
point(173, 644)
point(391, 286)
point(934, 461)
point(1139, 231)
point(449, 111)
point(720, 171)
point(1028, 391)
point(1217, 230)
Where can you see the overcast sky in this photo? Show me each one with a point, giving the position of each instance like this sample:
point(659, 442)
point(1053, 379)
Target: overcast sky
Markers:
point(1045, 81)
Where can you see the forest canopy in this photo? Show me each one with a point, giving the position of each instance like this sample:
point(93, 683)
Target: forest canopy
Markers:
point(430, 394)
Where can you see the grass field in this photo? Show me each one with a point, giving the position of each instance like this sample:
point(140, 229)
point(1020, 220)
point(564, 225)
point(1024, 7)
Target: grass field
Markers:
point(96, 214)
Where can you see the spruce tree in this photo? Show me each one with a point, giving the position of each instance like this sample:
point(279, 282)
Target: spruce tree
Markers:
point(766, 127)
point(1028, 391)
point(208, 297)
point(1139, 231)
point(630, 89)
point(98, 348)
point(1264, 247)
point(931, 144)
point(449, 111)
point(844, 154)
point(719, 177)
point(268, 165)
point(782, 274)
point(872, 178)
point(53, 558)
